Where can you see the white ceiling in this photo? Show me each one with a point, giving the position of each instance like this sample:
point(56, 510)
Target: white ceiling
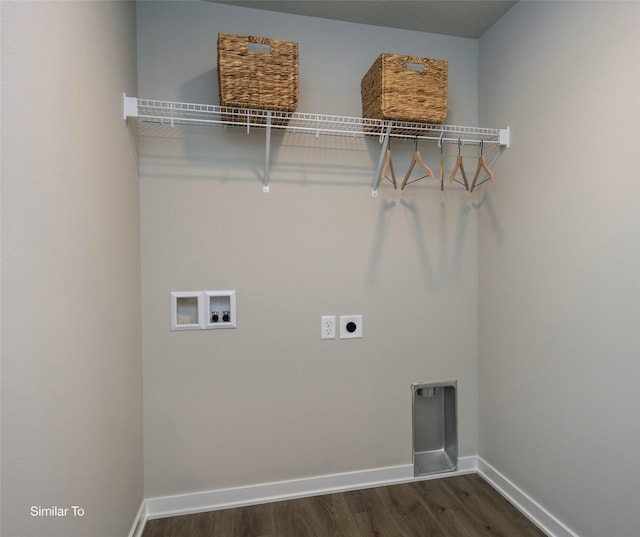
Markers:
point(461, 18)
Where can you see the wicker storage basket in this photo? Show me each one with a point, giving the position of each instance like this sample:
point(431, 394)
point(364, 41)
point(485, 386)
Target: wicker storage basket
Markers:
point(265, 80)
point(393, 89)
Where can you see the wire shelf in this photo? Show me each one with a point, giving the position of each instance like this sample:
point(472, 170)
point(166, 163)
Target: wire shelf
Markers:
point(178, 113)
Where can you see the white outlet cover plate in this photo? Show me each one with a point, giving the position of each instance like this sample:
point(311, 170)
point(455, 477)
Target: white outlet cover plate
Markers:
point(328, 327)
point(345, 320)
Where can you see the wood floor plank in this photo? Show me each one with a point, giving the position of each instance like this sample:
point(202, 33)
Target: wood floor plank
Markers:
point(346, 524)
point(460, 506)
point(291, 518)
point(492, 509)
point(255, 522)
point(447, 511)
point(377, 520)
point(403, 503)
point(356, 501)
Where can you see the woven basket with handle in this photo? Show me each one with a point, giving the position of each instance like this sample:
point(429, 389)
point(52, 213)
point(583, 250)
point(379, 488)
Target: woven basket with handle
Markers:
point(405, 88)
point(257, 72)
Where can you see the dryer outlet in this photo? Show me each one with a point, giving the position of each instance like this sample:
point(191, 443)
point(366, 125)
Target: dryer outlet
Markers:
point(350, 326)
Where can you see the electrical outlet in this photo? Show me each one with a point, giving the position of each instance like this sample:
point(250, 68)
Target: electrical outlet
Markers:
point(350, 326)
point(328, 327)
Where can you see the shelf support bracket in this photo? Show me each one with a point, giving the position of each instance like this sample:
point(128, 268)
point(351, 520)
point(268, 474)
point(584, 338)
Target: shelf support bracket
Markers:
point(504, 137)
point(129, 107)
point(265, 182)
point(383, 153)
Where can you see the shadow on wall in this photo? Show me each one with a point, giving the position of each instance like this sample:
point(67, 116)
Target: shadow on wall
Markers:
point(485, 209)
point(378, 242)
point(233, 153)
point(303, 159)
point(449, 255)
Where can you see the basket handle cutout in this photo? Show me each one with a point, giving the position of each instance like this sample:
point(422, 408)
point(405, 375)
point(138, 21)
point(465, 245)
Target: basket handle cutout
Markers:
point(261, 48)
point(418, 67)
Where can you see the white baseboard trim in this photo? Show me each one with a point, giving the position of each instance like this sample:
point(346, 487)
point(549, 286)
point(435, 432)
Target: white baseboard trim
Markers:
point(140, 521)
point(529, 507)
point(198, 502)
point(212, 500)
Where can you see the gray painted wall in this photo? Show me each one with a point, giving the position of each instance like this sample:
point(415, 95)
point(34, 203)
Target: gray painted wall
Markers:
point(71, 343)
point(270, 401)
point(548, 293)
point(559, 243)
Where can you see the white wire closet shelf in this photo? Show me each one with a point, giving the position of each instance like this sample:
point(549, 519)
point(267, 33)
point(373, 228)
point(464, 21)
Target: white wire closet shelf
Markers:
point(178, 113)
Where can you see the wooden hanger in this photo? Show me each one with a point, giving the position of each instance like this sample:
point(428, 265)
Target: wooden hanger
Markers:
point(388, 165)
point(416, 158)
point(482, 165)
point(459, 165)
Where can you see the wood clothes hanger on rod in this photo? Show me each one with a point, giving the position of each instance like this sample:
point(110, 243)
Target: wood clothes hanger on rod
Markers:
point(416, 158)
point(482, 165)
point(459, 166)
point(388, 165)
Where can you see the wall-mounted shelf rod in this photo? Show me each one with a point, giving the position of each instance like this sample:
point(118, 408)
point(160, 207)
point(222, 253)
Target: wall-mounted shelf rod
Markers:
point(178, 113)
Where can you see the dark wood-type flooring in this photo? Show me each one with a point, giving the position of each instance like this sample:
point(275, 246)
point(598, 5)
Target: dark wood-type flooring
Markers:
point(461, 506)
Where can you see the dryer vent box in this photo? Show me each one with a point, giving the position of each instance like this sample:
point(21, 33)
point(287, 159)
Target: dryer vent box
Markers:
point(435, 428)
